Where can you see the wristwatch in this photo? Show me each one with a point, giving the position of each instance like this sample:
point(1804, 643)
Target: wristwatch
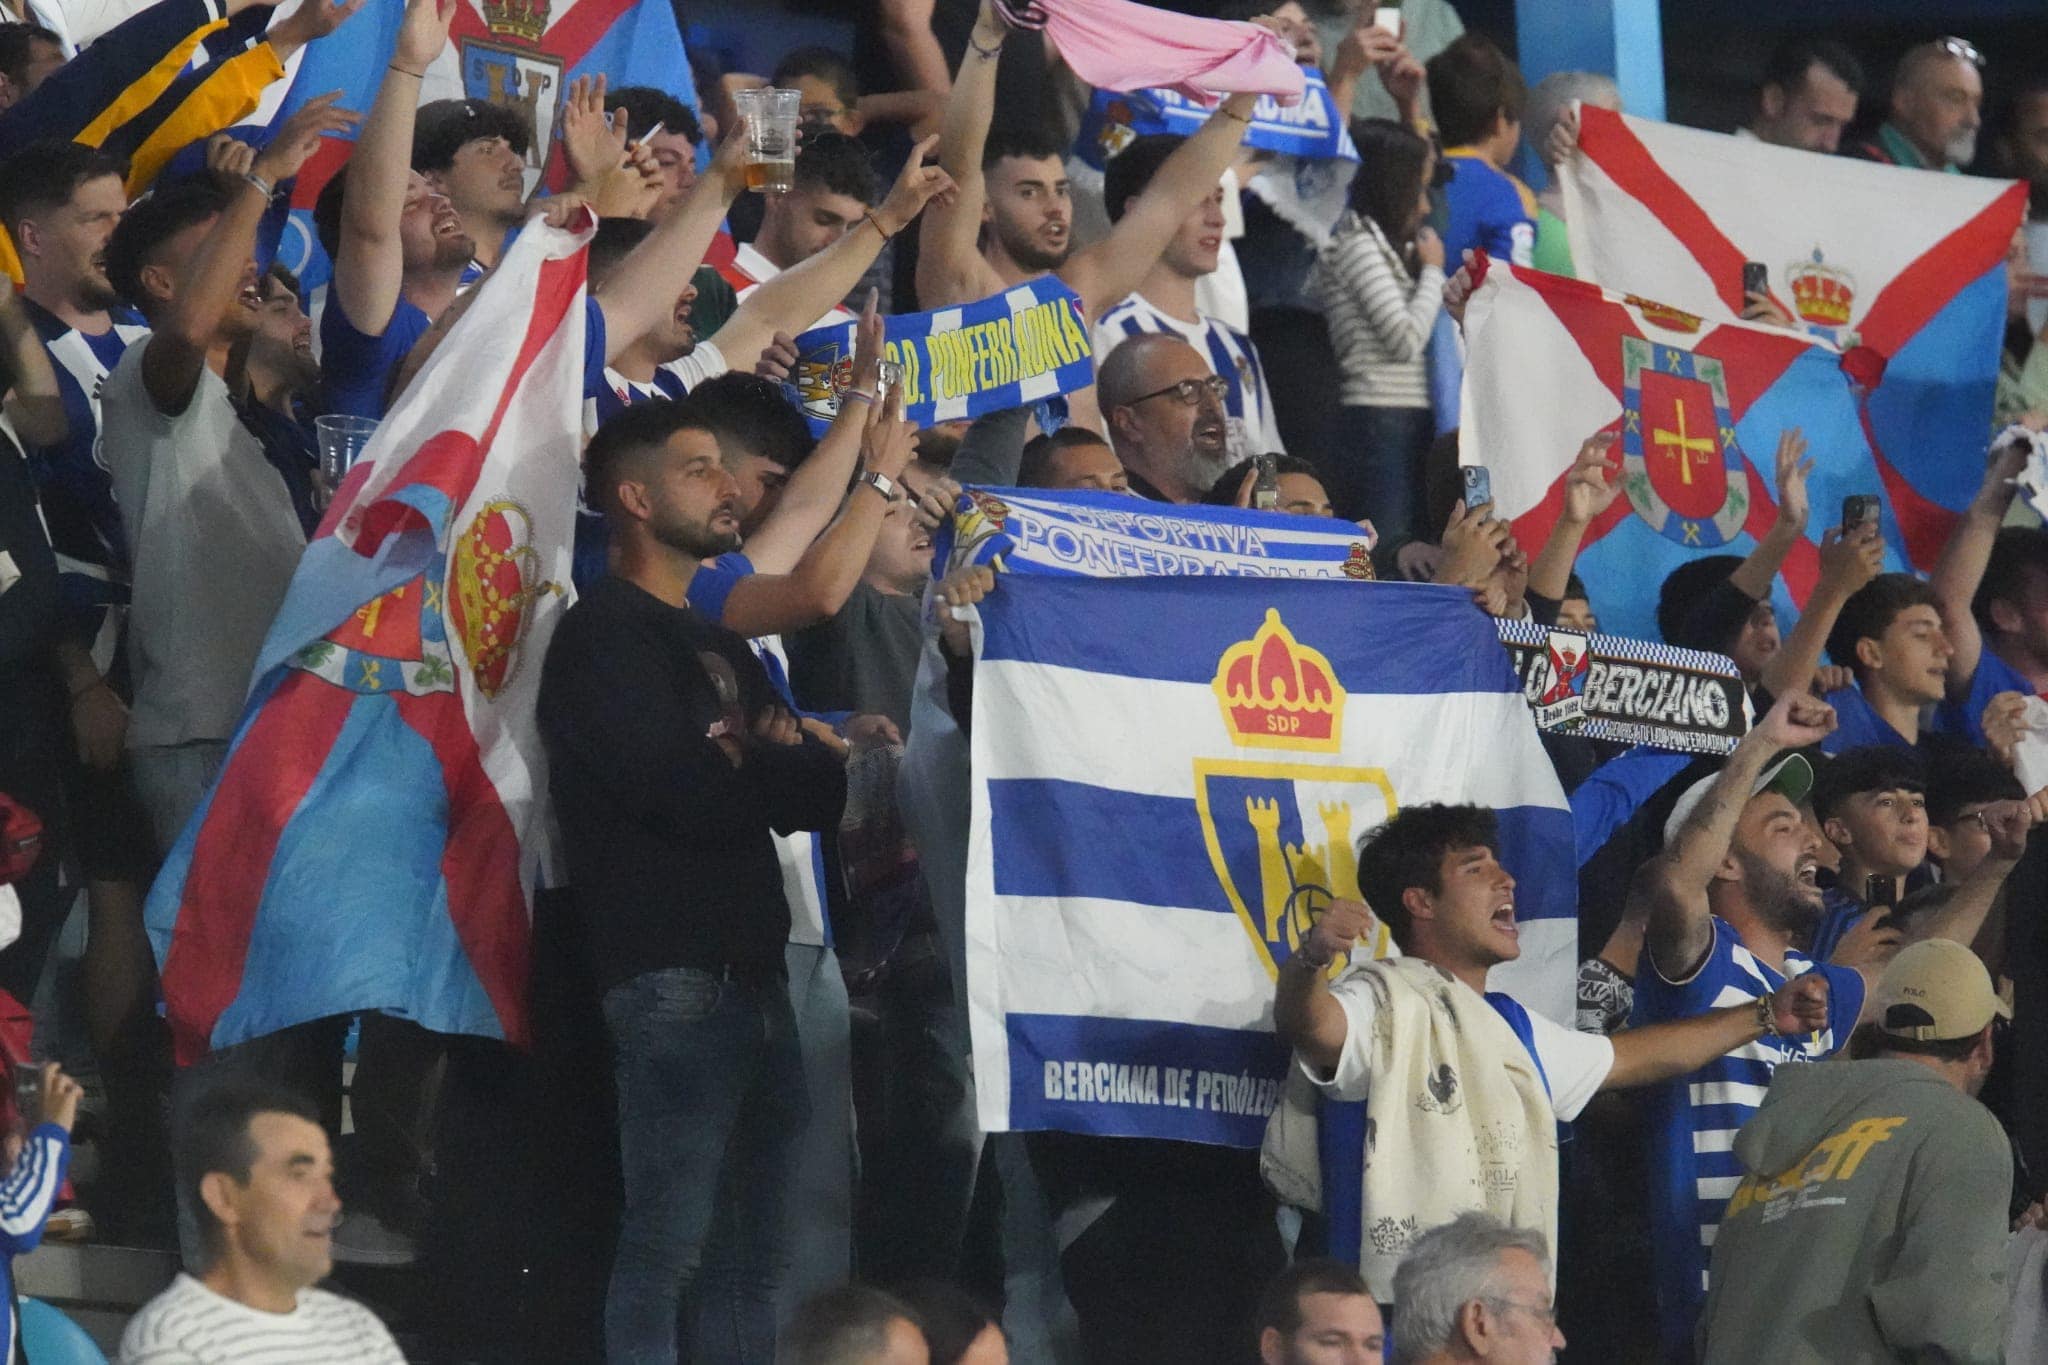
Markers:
point(881, 483)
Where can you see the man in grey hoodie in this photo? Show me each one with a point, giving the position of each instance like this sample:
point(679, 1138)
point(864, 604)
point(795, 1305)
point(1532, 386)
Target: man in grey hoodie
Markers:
point(1871, 1223)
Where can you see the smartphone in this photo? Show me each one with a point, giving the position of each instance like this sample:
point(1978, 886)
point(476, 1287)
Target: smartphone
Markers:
point(28, 1093)
point(1387, 17)
point(1858, 508)
point(888, 374)
point(1478, 484)
point(1756, 278)
point(1880, 892)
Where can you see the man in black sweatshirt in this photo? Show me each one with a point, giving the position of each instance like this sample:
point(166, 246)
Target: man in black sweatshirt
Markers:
point(671, 762)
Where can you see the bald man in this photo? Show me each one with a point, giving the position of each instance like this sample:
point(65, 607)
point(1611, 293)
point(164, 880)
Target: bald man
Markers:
point(1937, 107)
point(1163, 406)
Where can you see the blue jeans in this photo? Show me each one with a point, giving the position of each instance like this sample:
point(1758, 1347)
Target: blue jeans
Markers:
point(711, 1107)
point(1374, 469)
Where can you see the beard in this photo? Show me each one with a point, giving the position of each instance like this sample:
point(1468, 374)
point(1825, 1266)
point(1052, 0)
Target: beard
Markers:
point(94, 294)
point(696, 539)
point(1961, 149)
point(453, 252)
point(1025, 249)
point(1779, 899)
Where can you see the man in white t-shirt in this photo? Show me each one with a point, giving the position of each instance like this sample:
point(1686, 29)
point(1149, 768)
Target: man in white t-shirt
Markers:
point(834, 190)
point(1166, 301)
point(213, 537)
point(1434, 873)
point(253, 1163)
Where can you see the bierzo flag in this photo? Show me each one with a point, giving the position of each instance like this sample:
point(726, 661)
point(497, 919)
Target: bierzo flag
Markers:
point(519, 53)
point(1699, 407)
point(379, 826)
point(1902, 271)
point(1170, 778)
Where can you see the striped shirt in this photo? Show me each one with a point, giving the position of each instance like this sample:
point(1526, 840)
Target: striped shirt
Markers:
point(1230, 353)
point(27, 1195)
point(1694, 1118)
point(189, 1324)
point(749, 270)
point(1379, 316)
point(71, 477)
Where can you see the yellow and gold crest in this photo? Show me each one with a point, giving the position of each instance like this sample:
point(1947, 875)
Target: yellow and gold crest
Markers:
point(1282, 835)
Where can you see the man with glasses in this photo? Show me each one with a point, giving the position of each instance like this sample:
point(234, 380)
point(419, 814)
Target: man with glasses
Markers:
point(1476, 1289)
point(1936, 109)
point(1870, 1220)
point(1166, 418)
point(1167, 300)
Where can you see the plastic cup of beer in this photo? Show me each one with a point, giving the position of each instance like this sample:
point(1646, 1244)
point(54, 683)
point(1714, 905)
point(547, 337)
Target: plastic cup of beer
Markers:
point(771, 117)
point(342, 439)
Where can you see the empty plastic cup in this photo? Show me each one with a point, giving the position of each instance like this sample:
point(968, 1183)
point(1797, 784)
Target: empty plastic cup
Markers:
point(341, 443)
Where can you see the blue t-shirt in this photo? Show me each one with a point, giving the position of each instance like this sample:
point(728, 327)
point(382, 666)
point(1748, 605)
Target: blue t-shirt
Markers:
point(1965, 719)
point(1857, 724)
point(356, 368)
point(1489, 210)
point(1693, 1118)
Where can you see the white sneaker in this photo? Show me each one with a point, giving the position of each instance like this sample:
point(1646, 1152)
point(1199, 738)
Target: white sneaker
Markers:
point(362, 1239)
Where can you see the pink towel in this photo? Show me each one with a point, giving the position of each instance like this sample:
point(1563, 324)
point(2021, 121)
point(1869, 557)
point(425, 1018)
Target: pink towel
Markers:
point(1119, 45)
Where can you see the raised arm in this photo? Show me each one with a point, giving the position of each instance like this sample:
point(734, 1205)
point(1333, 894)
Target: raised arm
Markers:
point(1963, 559)
point(949, 264)
point(370, 266)
point(1658, 1052)
point(643, 289)
point(913, 47)
point(1676, 881)
point(794, 299)
point(34, 405)
point(1846, 564)
point(1756, 572)
point(183, 334)
point(1305, 1014)
point(818, 487)
point(1590, 489)
point(1105, 273)
point(764, 604)
point(1962, 919)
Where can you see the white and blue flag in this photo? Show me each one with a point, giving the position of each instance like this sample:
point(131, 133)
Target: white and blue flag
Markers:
point(1170, 778)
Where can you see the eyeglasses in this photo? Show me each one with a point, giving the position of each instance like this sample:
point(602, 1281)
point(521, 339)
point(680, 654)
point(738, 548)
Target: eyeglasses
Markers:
point(1961, 49)
point(1976, 817)
point(1545, 1314)
point(820, 113)
point(1189, 392)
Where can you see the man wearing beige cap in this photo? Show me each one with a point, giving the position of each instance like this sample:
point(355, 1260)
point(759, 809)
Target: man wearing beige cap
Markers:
point(1871, 1221)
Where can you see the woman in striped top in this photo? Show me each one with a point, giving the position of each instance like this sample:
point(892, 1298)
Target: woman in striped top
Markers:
point(1380, 282)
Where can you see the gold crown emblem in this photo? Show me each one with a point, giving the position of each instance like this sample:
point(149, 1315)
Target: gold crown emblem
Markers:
point(1664, 315)
point(525, 20)
point(1822, 293)
point(1277, 692)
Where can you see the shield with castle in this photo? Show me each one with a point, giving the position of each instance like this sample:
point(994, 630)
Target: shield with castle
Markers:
point(1282, 819)
point(513, 69)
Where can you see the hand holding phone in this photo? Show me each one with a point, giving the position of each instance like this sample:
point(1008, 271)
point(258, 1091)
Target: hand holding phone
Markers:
point(1478, 482)
point(1857, 509)
point(28, 1093)
point(1756, 278)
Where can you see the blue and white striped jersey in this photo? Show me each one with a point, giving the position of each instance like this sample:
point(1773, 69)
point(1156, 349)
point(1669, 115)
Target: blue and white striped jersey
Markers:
point(1230, 353)
point(1694, 1118)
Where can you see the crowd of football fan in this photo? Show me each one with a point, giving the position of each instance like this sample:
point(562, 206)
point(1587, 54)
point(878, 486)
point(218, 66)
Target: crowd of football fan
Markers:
point(741, 1136)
